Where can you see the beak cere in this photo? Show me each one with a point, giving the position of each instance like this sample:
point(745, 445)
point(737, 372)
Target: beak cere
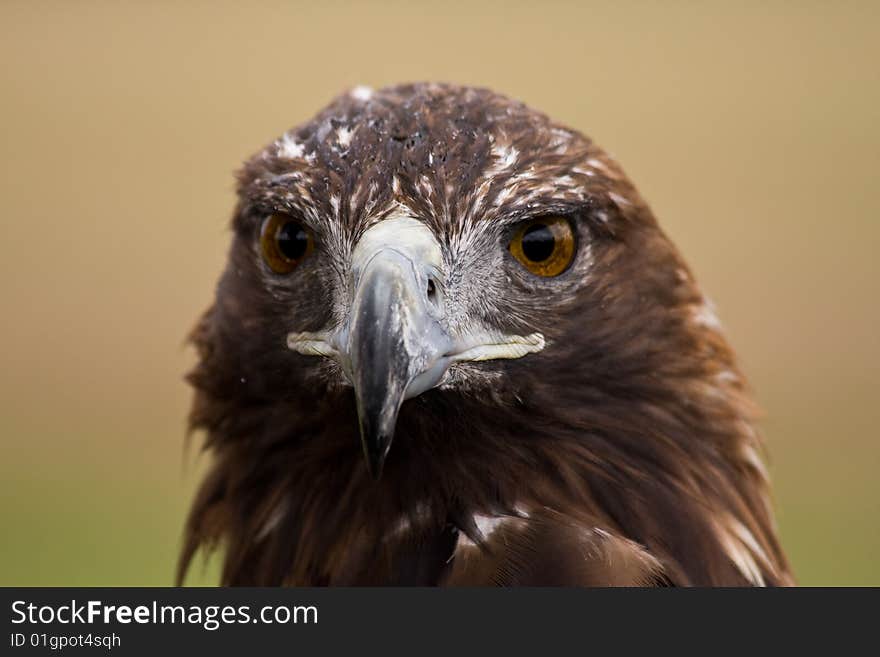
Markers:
point(393, 345)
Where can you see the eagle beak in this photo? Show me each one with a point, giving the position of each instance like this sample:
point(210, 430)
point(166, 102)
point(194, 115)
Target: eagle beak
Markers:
point(393, 345)
point(394, 341)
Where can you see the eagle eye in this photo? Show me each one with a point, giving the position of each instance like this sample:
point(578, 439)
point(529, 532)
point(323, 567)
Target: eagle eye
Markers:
point(285, 242)
point(544, 246)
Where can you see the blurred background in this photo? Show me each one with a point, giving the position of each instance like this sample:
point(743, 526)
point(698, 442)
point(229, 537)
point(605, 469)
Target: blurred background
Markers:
point(752, 128)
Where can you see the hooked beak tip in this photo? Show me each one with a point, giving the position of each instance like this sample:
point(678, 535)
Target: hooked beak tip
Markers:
point(376, 448)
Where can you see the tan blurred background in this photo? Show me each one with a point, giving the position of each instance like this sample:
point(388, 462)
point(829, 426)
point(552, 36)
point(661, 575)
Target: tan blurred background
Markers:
point(752, 128)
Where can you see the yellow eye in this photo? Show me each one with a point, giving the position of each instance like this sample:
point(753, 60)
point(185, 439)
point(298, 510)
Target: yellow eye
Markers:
point(285, 242)
point(544, 246)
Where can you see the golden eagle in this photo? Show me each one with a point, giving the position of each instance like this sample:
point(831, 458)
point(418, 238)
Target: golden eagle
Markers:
point(447, 268)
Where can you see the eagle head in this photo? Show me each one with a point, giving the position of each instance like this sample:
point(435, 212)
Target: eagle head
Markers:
point(478, 300)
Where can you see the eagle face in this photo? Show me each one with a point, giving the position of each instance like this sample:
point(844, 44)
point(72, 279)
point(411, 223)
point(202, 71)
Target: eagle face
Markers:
point(447, 269)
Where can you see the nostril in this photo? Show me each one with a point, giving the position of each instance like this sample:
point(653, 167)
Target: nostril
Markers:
point(432, 289)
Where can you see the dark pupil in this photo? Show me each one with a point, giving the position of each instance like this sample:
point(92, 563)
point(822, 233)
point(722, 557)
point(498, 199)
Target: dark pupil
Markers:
point(538, 243)
point(292, 241)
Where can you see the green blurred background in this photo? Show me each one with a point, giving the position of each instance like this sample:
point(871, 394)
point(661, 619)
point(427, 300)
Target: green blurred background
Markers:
point(752, 128)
